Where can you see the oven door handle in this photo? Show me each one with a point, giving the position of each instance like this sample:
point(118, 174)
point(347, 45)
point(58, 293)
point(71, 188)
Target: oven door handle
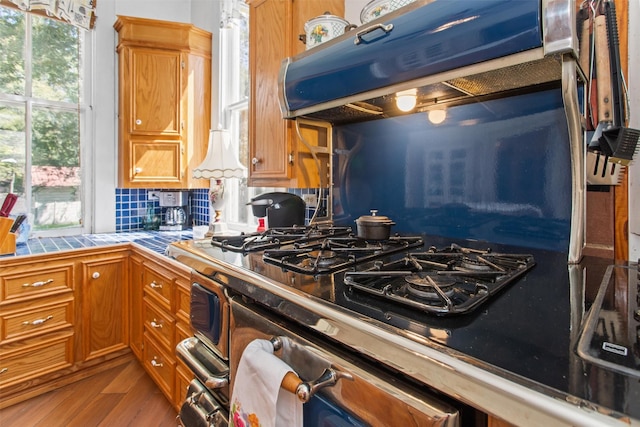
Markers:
point(306, 389)
point(186, 350)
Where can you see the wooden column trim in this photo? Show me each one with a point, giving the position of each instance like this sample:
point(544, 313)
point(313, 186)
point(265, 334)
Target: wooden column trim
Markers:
point(621, 192)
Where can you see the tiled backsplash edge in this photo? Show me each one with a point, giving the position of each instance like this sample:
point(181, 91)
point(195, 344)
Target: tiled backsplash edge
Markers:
point(132, 204)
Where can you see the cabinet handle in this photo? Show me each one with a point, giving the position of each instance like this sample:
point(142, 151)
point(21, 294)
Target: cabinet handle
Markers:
point(37, 321)
point(37, 284)
point(137, 170)
point(291, 158)
point(138, 122)
point(95, 275)
point(156, 324)
point(255, 161)
point(155, 363)
point(155, 285)
point(3, 370)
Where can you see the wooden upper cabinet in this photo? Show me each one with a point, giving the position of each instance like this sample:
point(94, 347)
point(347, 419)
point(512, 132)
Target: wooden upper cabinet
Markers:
point(275, 152)
point(164, 117)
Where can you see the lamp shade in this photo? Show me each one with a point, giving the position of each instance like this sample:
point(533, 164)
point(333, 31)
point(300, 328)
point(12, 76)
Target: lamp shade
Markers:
point(221, 161)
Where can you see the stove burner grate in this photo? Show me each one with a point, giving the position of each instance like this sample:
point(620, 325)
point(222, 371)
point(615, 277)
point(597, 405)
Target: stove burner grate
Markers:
point(448, 281)
point(336, 253)
point(277, 237)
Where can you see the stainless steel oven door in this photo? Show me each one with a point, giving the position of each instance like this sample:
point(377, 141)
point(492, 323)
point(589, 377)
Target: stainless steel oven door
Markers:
point(210, 312)
point(201, 409)
point(364, 394)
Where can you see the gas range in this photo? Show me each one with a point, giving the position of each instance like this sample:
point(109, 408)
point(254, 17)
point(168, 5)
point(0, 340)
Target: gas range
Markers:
point(527, 324)
point(449, 280)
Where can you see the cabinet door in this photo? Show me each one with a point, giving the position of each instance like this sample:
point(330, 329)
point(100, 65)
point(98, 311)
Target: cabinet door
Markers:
point(270, 40)
point(277, 156)
point(104, 306)
point(156, 162)
point(155, 92)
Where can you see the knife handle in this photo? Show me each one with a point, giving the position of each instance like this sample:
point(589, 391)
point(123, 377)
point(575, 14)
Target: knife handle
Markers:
point(603, 70)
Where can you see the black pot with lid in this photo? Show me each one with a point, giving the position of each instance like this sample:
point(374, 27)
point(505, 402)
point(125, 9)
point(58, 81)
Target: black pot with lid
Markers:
point(374, 226)
point(281, 209)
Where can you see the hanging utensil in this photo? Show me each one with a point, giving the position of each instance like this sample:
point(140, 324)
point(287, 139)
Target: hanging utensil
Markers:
point(617, 142)
point(586, 64)
point(603, 85)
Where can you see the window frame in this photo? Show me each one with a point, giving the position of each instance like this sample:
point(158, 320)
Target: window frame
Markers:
point(85, 126)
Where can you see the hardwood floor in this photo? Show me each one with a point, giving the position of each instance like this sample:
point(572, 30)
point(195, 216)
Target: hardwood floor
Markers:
point(119, 397)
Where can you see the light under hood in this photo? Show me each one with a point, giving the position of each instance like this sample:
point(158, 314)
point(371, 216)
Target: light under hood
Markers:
point(450, 51)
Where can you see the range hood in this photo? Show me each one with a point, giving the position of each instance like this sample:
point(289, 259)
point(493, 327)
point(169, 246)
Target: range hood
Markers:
point(447, 53)
point(444, 52)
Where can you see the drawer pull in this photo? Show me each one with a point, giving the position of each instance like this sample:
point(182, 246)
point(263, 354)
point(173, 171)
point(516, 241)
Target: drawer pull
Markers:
point(156, 324)
point(155, 363)
point(95, 275)
point(155, 285)
point(37, 284)
point(37, 321)
point(3, 370)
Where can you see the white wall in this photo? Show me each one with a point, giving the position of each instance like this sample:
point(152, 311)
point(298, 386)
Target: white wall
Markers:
point(633, 80)
point(203, 13)
point(352, 9)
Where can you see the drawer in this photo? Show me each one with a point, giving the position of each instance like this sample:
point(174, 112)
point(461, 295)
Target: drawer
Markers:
point(27, 282)
point(183, 331)
point(159, 287)
point(159, 324)
point(160, 366)
point(35, 321)
point(183, 378)
point(183, 303)
point(30, 362)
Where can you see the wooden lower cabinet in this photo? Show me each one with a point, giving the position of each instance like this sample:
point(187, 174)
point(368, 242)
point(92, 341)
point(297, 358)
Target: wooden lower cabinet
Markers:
point(104, 306)
point(63, 317)
point(159, 312)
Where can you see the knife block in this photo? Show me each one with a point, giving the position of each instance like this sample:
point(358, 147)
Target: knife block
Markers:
point(7, 239)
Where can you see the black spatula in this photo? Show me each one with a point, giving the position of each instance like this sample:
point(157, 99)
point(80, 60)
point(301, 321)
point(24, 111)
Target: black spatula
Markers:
point(618, 142)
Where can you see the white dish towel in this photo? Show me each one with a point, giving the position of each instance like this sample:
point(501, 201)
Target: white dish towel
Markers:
point(257, 398)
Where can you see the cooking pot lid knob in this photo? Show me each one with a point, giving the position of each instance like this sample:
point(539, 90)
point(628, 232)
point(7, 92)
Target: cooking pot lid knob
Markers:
point(374, 212)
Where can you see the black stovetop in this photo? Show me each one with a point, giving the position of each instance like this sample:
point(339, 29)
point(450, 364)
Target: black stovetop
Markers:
point(528, 328)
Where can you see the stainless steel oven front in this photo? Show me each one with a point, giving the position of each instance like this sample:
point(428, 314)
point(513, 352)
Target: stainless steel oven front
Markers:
point(206, 354)
point(363, 394)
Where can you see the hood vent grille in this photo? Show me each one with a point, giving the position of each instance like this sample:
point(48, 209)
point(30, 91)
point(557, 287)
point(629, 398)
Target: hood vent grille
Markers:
point(455, 91)
point(510, 78)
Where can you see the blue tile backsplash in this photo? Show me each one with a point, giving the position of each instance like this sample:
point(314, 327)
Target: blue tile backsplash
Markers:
point(132, 205)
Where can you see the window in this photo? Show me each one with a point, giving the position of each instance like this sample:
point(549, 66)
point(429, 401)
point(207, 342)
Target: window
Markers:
point(234, 102)
point(41, 119)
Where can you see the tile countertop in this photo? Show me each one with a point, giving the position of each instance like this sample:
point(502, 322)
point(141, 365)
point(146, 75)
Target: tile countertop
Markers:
point(157, 241)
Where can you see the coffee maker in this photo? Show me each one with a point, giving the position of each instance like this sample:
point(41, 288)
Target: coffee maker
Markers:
point(174, 210)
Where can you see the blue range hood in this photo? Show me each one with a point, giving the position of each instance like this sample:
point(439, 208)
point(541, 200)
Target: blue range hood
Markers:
point(447, 50)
